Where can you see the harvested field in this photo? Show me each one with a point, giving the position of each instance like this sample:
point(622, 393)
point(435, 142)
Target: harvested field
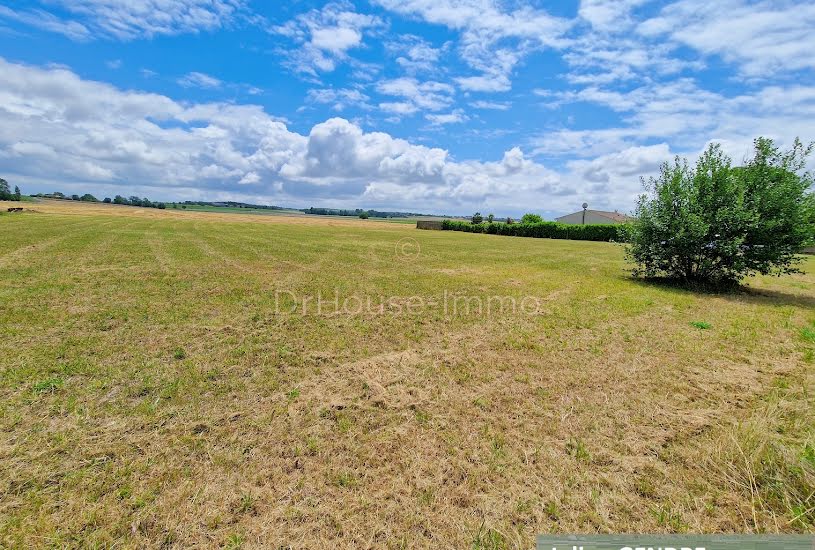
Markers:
point(199, 379)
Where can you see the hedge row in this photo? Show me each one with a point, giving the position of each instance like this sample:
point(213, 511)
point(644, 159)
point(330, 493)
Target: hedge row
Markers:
point(543, 230)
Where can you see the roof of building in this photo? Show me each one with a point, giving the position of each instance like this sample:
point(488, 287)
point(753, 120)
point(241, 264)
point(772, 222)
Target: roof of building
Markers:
point(616, 216)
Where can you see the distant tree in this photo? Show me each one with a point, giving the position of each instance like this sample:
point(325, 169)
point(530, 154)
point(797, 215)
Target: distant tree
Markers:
point(107, 200)
point(477, 218)
point(161, 206)
point(87, 197)
point(118, 199)
point(57, 195)
point(5, 192)
point(490, 218)
point(175, 205)
point(510, 221)
point(17, 195)
point(75, 197)
point(134, 200)
point(183, 206)
point(531, 218)
point(363, 215)
point(716, 224)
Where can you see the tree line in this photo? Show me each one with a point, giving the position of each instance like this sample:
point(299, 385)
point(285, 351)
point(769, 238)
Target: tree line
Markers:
point(477, 218)
point(537, 228)
point(6, 193)
point(118, 199)
point(360, 213)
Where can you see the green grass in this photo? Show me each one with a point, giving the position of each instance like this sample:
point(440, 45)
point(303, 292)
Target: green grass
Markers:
point(153, 392)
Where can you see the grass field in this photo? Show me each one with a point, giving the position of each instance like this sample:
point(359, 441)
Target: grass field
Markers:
point(156, 389)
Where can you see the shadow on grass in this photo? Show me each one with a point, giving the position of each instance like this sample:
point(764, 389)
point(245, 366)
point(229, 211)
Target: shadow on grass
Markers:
point(740, 293)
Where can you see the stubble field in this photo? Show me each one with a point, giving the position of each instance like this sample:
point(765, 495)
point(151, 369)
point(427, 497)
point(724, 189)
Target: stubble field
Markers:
point(163, 383)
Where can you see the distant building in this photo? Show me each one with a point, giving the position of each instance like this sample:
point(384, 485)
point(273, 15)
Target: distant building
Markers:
point(594, 217)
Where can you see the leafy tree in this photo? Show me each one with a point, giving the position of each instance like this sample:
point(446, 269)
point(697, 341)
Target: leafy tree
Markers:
point(118, 199)
point(510, 221)
point(5, 192)
point(87, 197)
point(717, 224)
point(17, 195)
point(75, 197)
point(363, 215)
point(491, 218)
point(134, 201)
point(161, 206)
point(477, 218)
point(107, 200)
point(531, 218)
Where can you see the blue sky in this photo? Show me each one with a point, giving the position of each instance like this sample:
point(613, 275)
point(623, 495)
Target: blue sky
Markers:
point(445, 106)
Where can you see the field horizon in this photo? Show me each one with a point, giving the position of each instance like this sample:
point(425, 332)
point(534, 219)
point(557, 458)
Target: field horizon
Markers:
point(190, 378)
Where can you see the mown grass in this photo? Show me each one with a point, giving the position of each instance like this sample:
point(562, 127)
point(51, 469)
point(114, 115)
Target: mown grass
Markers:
point(151, 395)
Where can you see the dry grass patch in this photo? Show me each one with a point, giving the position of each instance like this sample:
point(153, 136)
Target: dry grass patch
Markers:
point(151, 395)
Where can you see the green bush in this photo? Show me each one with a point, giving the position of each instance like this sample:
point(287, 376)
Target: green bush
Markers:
point(715, 224)
point(6, 194)
point(542, 230)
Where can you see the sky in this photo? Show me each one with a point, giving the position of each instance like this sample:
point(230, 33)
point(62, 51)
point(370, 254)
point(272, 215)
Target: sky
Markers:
point(433, 106)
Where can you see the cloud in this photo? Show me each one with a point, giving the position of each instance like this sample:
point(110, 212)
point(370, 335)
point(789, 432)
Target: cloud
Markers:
point(398, 107)
point(58, 128)
point(415, 54)
point(491, 105)
point(456, 117)
point(762, 38)
point(683, 114)
point(72, 133)
point(609, 15)
point(339, 149)
point(89, 131)
point(339, 98)
point(324, 36)
point(199, 80)
point(416, 95)
point(130, 20)
point(495, 82)
point(46, 21)
point(633, 161)
point(493, 39)
point(249, 179)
